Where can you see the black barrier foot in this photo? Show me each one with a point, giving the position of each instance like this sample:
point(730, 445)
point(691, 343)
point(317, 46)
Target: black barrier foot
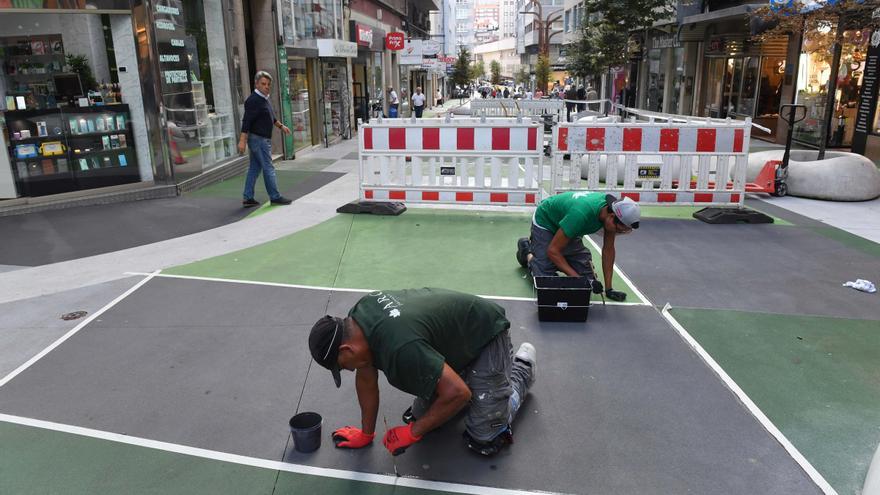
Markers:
point(731, 215)
point(373, 207)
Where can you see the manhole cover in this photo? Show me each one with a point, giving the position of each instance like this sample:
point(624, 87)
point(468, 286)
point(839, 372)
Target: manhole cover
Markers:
point(74, 316)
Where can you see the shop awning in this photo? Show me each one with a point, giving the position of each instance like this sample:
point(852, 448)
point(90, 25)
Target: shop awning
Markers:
point(426, 5)
point(693, 28)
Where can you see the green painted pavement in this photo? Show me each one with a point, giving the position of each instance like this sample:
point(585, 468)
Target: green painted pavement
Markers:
point(467, 251)
point(816, 378)
point(305, 164)
point(232, 187)
point(850, 240)
point(34, 460)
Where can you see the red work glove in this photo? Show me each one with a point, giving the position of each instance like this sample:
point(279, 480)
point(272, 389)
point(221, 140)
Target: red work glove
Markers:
point(399, 438)
point(352, 438)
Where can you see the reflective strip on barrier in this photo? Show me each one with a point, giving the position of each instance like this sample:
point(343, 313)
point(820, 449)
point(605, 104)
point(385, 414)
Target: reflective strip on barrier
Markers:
point(462, 161)
point(451, 138)
point(670, 163)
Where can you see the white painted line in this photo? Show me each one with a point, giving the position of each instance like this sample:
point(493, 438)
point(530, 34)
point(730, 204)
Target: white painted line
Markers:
point(75, 329)
point(751, 406)
point(647, 302)
point(255, 282)
point(342, 289)
point(262, 463)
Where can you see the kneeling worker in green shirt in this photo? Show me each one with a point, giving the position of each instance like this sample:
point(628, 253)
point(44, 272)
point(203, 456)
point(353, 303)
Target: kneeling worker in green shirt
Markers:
point(558, 227)
point(449, 349)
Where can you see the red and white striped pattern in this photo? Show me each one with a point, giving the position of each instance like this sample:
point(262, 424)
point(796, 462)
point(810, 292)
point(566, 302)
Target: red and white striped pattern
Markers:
point(683, 197)
point(448, 197)
point(414, 138)
point(650, 138)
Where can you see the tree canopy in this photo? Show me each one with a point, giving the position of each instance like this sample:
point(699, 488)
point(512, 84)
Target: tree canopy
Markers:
point(495, 70)
point(602, 42)
point(461, 75)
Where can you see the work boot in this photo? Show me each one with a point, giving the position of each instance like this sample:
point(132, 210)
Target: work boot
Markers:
point(527, 354)
point(491, 447)
point(523, 248)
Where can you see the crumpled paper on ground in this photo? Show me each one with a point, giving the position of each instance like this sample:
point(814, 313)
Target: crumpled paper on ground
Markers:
point(862, 285)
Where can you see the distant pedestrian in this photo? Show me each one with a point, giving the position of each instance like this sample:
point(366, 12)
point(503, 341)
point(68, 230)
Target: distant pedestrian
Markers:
point(529, 95)
point(256, 133)
point(581, 96)
point(570, 103)
point(539, 94)
point(393, 103)
point(439, 98)
point(506, 93)
point(418, 102)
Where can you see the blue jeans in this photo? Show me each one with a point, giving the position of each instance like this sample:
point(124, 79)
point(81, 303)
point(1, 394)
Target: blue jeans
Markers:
point(261, 159)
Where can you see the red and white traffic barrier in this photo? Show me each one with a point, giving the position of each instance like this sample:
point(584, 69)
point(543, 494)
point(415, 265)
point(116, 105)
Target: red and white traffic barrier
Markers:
point(670, 163)
point(458, 161)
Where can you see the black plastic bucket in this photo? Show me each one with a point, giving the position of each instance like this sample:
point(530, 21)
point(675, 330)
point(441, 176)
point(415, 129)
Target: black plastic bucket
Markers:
point(306, 430)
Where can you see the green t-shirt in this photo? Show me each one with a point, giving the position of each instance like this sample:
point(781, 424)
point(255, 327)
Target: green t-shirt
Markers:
point(412, 332)
point(576, 213)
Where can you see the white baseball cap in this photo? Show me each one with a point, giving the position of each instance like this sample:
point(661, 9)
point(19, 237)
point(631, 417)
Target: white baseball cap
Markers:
point(627, 211)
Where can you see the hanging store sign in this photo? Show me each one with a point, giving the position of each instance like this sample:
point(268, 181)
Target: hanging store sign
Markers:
point(367, 37)
point(337, 48)
point(394, 41)
point(411, 53)
point(430, 48)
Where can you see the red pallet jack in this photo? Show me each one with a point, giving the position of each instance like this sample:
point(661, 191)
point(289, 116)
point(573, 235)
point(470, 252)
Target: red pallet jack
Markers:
point(770, 180)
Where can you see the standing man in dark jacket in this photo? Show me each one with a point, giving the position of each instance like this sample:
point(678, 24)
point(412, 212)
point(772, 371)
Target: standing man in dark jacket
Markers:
point(256, 132)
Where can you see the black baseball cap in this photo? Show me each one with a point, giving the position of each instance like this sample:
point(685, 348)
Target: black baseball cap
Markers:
point(324, 341)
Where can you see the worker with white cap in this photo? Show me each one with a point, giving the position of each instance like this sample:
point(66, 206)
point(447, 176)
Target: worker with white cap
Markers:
point(558, 226)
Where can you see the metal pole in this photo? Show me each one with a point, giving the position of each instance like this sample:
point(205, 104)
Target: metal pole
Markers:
point(832, 89)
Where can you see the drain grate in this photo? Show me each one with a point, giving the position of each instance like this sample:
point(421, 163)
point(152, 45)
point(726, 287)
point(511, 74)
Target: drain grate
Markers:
point(74, 316)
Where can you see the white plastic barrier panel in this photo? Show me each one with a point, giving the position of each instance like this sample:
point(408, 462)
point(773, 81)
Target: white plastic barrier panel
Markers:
point(509, 107)
point(492, 163)
point(670, 163)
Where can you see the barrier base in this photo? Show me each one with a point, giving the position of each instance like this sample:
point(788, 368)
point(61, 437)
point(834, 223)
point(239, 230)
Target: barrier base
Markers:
point(732, 215)
point(374, 207)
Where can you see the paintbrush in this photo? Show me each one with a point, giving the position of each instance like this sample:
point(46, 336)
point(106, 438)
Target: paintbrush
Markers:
point(393, 459)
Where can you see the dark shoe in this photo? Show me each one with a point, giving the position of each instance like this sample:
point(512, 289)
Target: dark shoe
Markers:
point(282, 201)
point(248, 203)
point(408, 416)
point(523, 248)
point(492, 447)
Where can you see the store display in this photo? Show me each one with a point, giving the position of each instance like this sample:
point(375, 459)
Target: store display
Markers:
point(52, 148)
point(62, 149)
point(25, 151)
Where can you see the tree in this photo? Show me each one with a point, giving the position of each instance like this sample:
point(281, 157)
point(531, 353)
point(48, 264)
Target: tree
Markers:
point(461, 69)
point(478, 70)
point(495, 69)
point(602, 42)
point(821, 25)
point(522, 76)
point(542, 72)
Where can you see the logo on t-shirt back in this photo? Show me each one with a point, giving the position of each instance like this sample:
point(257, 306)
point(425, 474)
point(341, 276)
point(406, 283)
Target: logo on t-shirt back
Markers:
point(387, 302)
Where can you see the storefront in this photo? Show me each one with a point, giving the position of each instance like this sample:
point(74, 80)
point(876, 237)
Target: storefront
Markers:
point(301, 76)
point(335, 82)
point(665, 73)
point(812, 88)
point(367, 69)
point(70, 102)
point(866, 135)
point(109, 95)
point(744, 79)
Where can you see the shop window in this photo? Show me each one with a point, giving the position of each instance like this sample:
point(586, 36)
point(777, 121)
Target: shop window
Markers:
point(64, 113)
point(194, 77)
point(311, 19)
point(772, 77)
point(812, 89)
point(299, 102)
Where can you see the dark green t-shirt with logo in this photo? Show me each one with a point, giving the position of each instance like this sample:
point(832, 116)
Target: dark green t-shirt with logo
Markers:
point(412, 332)
point(575, 212)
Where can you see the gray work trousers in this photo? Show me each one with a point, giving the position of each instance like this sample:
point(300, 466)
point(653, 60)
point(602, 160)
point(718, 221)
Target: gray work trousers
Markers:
point(576, 254)
point(498, 384)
